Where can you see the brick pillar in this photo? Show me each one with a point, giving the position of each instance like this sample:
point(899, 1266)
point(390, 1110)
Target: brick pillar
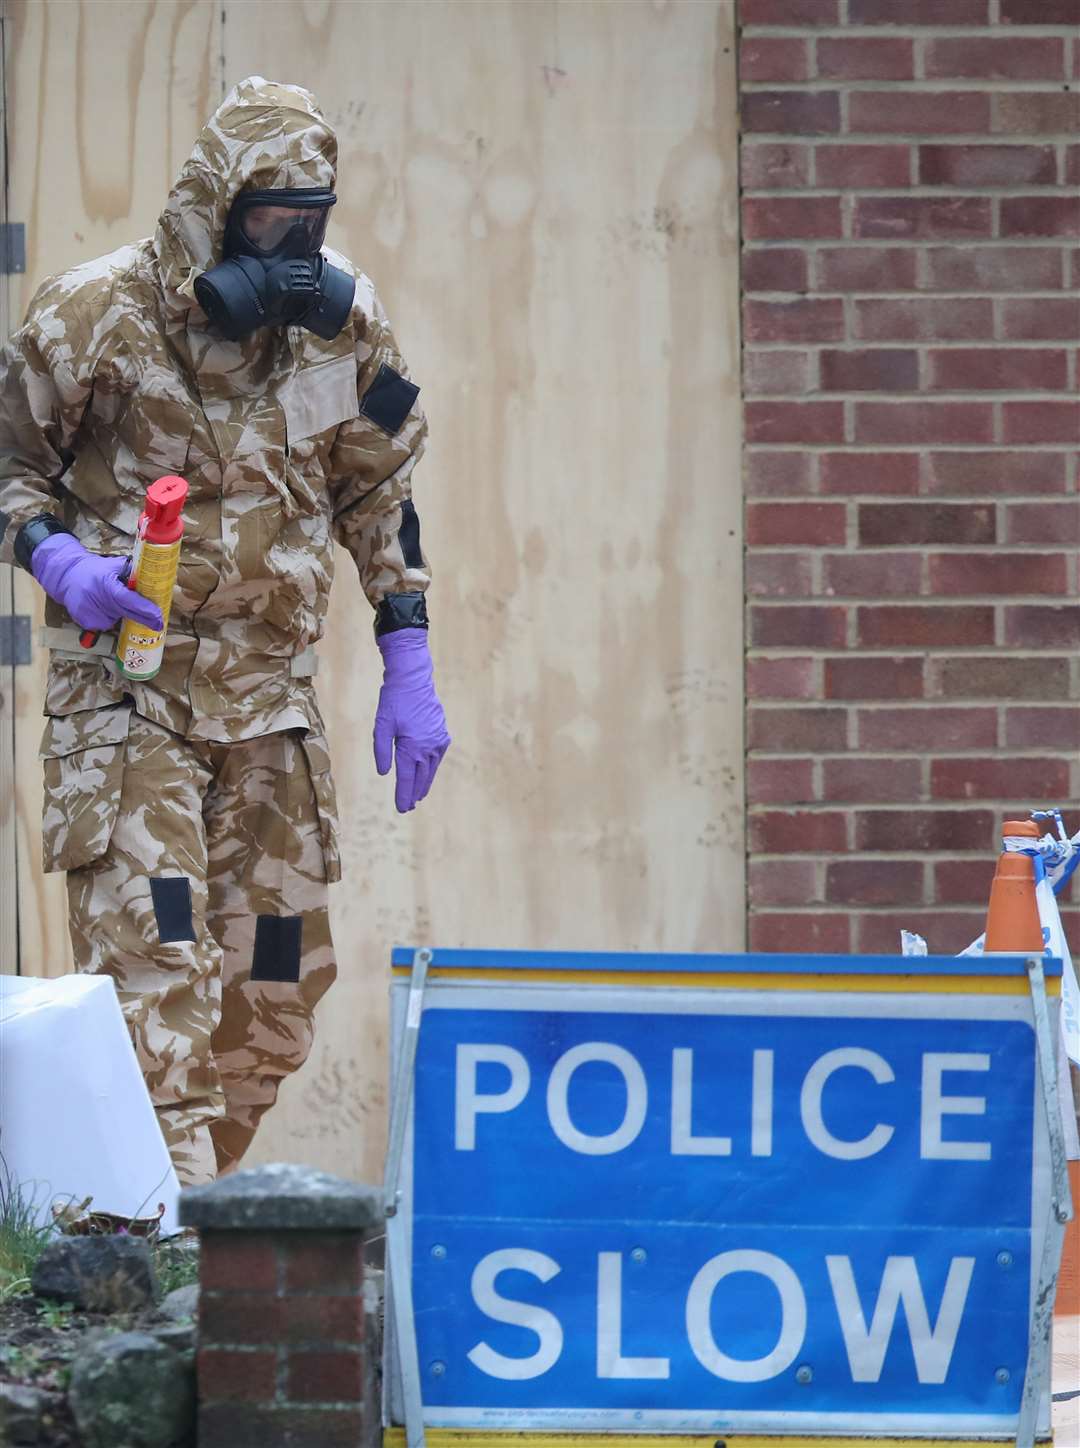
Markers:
point(911, 219)
point(281, 1313)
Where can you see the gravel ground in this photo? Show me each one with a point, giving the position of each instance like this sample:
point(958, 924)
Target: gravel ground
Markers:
point(36, 1347)
point(38, 1340)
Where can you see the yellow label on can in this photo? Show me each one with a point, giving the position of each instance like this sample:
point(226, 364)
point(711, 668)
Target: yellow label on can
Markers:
point(139, 650)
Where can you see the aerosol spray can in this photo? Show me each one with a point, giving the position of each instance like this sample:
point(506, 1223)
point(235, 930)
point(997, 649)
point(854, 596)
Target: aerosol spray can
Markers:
point(153, 574)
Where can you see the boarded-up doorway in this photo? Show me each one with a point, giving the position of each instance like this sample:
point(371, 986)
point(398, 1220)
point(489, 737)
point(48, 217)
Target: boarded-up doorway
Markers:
point(546, 197)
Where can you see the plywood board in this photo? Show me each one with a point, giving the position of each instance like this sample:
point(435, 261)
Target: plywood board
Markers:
point(545, 195)
point(9, 929)
point(104, 100)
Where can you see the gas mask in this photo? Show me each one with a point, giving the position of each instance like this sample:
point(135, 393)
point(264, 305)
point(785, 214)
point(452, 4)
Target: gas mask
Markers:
point(272, 273)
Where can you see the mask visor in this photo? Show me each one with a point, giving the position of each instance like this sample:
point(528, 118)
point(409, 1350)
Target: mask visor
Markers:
point(266, 218)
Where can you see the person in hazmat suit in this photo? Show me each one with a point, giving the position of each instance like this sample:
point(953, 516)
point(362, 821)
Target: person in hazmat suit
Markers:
point(194, 813)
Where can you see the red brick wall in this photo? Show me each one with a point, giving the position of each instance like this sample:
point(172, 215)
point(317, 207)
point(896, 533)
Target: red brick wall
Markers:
point(911, 260)
point(281, 1332)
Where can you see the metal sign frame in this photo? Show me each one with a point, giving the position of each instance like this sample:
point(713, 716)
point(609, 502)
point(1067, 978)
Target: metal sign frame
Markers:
point(542, 981)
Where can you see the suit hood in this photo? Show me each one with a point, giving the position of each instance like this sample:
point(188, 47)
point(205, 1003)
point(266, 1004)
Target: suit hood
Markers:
point(263, 136)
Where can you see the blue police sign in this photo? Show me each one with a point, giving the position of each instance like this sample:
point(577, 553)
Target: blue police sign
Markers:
point(757, 1203)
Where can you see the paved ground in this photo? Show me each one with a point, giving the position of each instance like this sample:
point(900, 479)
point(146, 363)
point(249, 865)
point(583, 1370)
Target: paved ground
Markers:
point(1067, 1380)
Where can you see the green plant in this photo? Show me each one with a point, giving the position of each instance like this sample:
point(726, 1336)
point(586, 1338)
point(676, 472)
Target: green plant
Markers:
point(18, 1362)
point(22, 1236)
point(55, 1314)
point(175, 1266)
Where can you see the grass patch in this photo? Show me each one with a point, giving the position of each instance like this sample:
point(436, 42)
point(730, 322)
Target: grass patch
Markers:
point(22, 1237)
point(175, 1267)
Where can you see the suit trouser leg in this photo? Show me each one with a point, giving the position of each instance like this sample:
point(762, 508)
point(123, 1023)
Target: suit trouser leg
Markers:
point(267, 906)
point(139, 914)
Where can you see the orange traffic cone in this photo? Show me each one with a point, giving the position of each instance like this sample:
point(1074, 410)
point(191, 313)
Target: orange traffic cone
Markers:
point(1012, 921)
point(1012, 924)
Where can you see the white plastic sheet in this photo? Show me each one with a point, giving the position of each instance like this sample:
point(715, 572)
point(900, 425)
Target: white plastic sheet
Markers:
point(76, 1120)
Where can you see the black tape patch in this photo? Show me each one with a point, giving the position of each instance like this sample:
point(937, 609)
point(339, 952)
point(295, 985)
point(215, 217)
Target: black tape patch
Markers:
point(172, 908)
point(409, 536)
point(400, 610)
point(277, 947)
point(389, 399)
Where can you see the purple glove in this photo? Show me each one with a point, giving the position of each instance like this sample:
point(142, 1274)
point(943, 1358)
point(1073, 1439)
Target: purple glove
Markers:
point(409, 714)
point(87, 585)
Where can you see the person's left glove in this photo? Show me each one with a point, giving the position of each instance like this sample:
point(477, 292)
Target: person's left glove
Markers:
point(409, 720)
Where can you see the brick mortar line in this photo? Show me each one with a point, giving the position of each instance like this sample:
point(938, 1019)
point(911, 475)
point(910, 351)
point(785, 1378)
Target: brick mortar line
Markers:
point(323, 1405)
point(966, 601)
point(991, 752)
point(903, 396)
point(999, 641)
point(913, 138)
point(902, 31)
point(947, 191)
point(870, 703)
point(884, 857)
point(815, 902)
point(877, 756)
point(950, 499)
point(849, 907)
point(921, 345)
point(887, 551)
point(936, 806)
point(913, 162)
point(266, 1412)
point(893, 549)
point(817, 905)
point(1055, 241)
point(990, 85)
point(879, 705)
point(904, 655)
point(831, 296)
point(874, 449)
point(996, 753)
point(904, 651)
point(238, 1347)
point(901, 650)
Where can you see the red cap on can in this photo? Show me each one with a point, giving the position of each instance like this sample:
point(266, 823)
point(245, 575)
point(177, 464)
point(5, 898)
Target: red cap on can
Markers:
point(164, 501)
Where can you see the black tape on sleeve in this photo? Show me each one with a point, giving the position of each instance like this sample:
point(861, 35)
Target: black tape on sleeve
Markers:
point(389, 399)
point(400, 610)
point(172, 909)
point(277, 947)
point(409, 536)
point(31, 534)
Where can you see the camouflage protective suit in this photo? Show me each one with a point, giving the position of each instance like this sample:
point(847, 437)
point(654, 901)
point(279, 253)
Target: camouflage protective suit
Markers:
point(195, 813)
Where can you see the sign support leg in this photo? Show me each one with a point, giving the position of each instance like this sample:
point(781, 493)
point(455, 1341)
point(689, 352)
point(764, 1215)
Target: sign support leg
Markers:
point(397, 1243)
point(1039, 1347)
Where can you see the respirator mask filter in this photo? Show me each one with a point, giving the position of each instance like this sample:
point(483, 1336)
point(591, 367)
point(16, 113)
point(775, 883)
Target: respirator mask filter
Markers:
point(273, 273)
